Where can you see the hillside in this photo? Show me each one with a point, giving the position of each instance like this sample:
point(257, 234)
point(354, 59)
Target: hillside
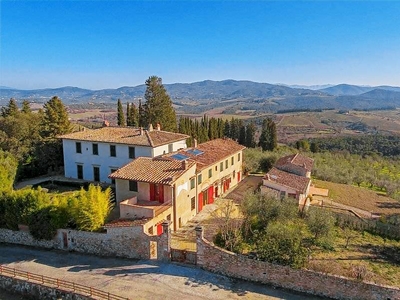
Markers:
point(228, 96)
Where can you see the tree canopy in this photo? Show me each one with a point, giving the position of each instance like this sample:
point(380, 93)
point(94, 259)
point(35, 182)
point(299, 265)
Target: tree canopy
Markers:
point(158, 107)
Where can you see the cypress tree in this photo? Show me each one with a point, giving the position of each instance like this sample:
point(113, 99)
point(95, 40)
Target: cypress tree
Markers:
point(268, 138)
point(26, 108)
point(227, 129)
point(121, 117)
point(242, 133)
point(142, 116)
point(158, 107)
point(134, 115)
point(128, 115)
point(250, 135)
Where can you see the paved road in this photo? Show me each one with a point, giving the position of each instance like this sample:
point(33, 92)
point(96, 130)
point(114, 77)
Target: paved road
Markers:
point(137, 279)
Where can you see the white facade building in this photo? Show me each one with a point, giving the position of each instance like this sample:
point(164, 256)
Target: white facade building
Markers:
point(94, 154)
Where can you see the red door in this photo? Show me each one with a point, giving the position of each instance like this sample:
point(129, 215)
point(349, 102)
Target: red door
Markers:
point(200, 202)
point(210, 195)
point(159, 229)
point(157, 192)
point(238, 176)
point(216, 192)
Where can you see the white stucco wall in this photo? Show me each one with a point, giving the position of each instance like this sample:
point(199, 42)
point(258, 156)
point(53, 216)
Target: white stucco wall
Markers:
point(165, 148)
point(103, 160)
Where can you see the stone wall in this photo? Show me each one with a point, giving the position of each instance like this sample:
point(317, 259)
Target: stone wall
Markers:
point(129, 242)
point(218, 260)
point(32, 290)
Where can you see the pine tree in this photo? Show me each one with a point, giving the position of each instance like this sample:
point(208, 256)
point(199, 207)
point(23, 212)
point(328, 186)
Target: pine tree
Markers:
point(121, 117)
point(158, 107)
point(268, 138)
point(55, 119)
point(11, 110)
point(26, 108)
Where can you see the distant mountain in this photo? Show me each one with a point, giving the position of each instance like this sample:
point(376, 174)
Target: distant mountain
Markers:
point(346, 89)
point(354, 90)
point(310, 87)
point(231, 95)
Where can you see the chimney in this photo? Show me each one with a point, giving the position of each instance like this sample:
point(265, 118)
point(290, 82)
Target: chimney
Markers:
point(141, 130)
point(106, 123)
point(185, 164)
point(158, 126)
point(195, 143)
point(267, 176)
point(150, 127)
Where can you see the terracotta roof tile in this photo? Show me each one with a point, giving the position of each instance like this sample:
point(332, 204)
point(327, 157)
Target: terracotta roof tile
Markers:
point(213, 152)
point(126, 135)
point(298, 183)
point(152, 170)
point(296, 160)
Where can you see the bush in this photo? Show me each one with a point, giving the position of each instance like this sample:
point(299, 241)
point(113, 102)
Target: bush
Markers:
point(42, 224)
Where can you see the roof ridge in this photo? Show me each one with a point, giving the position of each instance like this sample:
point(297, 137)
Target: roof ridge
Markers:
point(149, 138)
point(294, 157)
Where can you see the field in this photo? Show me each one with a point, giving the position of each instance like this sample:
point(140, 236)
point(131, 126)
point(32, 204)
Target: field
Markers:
point(361, 198)
point(369, 257)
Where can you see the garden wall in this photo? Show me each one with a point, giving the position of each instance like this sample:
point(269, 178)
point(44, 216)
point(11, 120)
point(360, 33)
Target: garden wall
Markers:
point(129, 242)
point(32, 290)
point(218, 260)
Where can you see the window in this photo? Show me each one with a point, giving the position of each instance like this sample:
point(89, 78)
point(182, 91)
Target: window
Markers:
point(113, 179)
point(232, 160)
point(209, 173)
point(234, 175)
point(151, 230)
point(79, 171)
point(113, 151)
point(95, 149)
point(169, 217)
point(131, 152)
point(199, 179)
point(193, 203)
point(192, 183)
point(78, 147)
point(133, 186)
point(238, 156)
point(216, 168)
point(96, 173)
point(221, 166)
point(226, 164)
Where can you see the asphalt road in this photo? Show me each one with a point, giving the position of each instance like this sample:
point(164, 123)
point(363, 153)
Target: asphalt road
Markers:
point(137, 279)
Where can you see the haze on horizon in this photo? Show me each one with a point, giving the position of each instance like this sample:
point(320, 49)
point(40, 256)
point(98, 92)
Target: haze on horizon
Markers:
point(109, 44)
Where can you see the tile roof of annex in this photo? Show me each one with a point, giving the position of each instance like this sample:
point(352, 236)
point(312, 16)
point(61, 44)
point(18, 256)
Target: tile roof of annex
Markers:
point(153, 170)
point(297, 160)
point(214, 151)
point(298, 183)
point(126, 135)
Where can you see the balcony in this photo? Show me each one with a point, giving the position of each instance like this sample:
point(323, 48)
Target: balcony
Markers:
point(133, 208)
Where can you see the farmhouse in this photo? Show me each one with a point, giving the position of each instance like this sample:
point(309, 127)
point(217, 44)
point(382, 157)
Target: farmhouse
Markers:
point(290, 177)
point(176, 186)
point(93, 154)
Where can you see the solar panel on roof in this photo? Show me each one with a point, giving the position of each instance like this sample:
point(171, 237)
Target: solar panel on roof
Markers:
point(194, 151)
point(179, 156)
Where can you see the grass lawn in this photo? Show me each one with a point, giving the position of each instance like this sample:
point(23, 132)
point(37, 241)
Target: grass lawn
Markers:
point(360, 198)
point(376, 258)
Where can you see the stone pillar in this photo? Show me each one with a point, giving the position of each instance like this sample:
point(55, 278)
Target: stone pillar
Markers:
point(199, 245)
point(164, 243)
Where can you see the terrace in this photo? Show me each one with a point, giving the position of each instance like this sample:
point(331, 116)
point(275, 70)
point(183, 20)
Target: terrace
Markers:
point(133, 208)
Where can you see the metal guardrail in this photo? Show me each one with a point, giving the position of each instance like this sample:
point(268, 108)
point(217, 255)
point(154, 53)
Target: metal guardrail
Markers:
point(62, 284)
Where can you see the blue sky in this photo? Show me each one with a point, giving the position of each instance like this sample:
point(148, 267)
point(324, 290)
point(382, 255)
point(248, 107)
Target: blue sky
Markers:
point(109, 44)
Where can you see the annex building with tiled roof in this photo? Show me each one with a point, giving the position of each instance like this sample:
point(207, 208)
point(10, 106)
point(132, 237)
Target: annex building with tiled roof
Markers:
point(176, 186)
point(290, 177)
point(93, 154)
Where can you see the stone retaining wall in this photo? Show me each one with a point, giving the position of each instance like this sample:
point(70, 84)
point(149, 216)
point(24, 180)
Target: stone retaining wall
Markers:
point(32, 290)
point(220, 261)
point(129, 242)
